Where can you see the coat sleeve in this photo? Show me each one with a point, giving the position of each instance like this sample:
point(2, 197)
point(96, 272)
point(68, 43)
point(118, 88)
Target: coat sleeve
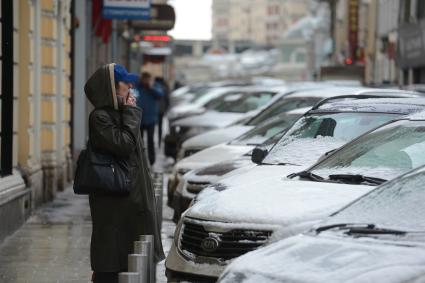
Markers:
point(119, 140)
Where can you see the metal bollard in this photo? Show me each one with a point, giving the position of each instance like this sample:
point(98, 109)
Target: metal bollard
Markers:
point(128, 277)
point(151, 263)
point(139, 263)
point(143, 248)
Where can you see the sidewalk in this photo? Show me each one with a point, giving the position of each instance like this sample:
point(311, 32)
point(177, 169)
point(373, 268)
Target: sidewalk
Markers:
point(53, 246)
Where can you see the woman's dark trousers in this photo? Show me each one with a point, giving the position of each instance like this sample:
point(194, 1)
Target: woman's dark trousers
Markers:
point(105, 277)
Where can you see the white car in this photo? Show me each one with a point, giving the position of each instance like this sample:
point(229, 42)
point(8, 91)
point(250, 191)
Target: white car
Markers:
point(293, 97)
point(377, 238)
point(227, 151)
point(221, 226)
point(229, 107)
point(196, 104)
point(299, 147)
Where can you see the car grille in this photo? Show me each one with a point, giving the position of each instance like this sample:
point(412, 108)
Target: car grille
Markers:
point(195, 187)
point(231, 244)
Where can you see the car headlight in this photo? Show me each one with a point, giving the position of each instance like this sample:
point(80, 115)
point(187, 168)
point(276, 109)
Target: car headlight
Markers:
point(182, 171)
point(199, 130)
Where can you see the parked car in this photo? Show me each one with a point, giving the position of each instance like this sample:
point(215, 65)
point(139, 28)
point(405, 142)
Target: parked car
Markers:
point(229, 107)
point(242, 145)
point(217, 228)
point(302, 96)
point(286, 101)
point(377, 238)
point(338, 121)
point(189, 93)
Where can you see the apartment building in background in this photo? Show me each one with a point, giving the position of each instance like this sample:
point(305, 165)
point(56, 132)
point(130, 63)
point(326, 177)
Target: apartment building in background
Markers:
point(262, 22)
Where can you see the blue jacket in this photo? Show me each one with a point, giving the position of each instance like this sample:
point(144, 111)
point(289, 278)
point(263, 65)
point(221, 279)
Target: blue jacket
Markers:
point(148, 101)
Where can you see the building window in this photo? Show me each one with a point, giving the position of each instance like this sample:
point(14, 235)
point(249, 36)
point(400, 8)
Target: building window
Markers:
point(405, 10)
point(6, 106)
point(420, 9)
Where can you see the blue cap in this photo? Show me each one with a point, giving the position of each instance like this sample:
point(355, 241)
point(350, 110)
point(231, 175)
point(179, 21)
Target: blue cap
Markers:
point(121, 75)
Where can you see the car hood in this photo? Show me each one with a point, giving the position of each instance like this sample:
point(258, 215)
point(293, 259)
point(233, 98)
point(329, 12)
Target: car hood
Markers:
point(181, 110)
point(275, 200)
point(210, 119)
point(215, 137)
point(212, 155)
point(214, 172)
point(329, 259)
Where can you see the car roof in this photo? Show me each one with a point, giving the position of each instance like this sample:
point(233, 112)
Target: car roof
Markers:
point(375, 105)
point(331, 91)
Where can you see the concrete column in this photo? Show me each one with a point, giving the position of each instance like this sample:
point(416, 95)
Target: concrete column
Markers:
point(80, 60)
point(60, 76)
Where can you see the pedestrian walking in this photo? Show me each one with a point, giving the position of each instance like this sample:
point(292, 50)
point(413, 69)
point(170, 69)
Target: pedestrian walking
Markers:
point(114, 130)
point(164, 104)
point(148, 101)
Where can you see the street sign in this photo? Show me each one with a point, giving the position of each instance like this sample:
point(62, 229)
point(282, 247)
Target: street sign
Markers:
point(162, 18)
point(127, 9)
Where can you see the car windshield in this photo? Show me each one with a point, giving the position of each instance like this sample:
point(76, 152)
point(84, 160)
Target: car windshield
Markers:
point(240, 102)
point(314, 135)
point(397, 205)
point(265, 131)
point(384, 153)
point(284, 105)
point(197, 93)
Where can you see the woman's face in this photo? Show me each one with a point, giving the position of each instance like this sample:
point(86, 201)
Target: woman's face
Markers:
point(123, 89)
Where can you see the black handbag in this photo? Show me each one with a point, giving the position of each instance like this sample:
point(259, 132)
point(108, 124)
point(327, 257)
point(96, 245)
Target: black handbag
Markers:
point(100, 173)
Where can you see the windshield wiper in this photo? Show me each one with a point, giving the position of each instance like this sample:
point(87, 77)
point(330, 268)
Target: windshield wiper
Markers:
point(357, 229)
point(356, 179)
point(280, 163)
point(307, 175)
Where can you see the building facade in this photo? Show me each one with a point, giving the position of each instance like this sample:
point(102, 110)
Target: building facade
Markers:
point(35, 106)
point(262, 22)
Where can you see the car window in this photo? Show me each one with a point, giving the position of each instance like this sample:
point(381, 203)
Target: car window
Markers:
point(265, 131)
point(282, 106)
point(315, 134)
point(385, 153)
point(240, 103)
point(395, 205)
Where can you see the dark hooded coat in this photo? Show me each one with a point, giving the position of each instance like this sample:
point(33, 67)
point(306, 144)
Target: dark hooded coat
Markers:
point(118, 221)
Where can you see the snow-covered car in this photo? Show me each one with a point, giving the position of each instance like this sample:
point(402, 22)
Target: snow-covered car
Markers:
point(226, 223)
point(296, 96)
point(286, 100)
point(229, 107)
point(351, 118)
point(377, 238)
point(236, 148)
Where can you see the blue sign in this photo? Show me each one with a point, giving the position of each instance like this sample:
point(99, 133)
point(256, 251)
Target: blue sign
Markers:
point(127, 9)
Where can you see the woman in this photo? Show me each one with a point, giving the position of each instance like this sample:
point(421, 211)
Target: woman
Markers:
point(118, 221)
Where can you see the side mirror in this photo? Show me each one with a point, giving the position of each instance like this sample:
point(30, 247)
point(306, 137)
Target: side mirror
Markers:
point(258, 155)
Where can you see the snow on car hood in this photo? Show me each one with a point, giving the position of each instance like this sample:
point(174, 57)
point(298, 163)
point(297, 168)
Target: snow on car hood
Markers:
point(215, 137)
point(212, 155)
point(276, 201)
point(214, 172)
point(305, 259)
point(182, 109)
point(210, 119)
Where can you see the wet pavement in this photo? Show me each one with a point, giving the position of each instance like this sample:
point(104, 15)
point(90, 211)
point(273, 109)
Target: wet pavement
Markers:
point(54, 244)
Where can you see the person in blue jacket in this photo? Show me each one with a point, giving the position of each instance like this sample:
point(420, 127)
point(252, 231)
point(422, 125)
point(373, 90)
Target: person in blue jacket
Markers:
point(148, 100)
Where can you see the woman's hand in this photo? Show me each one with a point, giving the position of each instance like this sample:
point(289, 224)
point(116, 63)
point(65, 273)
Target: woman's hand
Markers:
point(131, 100)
